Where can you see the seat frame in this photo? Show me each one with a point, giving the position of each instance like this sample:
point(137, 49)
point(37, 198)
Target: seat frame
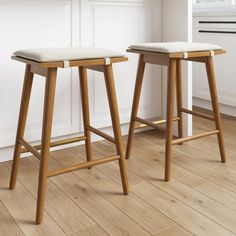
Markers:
point(174, 63)
point(49, 71)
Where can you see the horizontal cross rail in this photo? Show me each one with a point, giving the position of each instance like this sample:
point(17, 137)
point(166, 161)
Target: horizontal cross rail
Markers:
point(199, 114)
point(154, 124)
point(186, 139)
point(57, 143)
point(102, 134)
point(82, 165)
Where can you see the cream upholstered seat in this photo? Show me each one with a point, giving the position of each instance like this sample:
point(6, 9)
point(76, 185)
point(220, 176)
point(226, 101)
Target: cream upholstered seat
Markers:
point(67, 54)
point(175, 47)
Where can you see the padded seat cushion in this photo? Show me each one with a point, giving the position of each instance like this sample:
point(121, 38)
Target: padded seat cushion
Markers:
point(67, 54)
point(175, 47)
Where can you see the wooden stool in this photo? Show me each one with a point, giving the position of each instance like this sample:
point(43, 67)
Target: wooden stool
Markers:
point(171, 55)
point(45, 62)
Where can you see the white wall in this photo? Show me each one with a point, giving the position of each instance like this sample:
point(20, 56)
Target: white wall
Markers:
point(177, 26)
point(100, 23)
point(224, 69)
point(59, 23)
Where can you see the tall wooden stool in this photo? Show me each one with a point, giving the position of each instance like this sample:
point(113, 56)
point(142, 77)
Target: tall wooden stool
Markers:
point(170, 55)
point(45, 62)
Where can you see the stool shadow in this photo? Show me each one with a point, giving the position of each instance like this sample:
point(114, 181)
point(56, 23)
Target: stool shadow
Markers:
point(106, 192)
point(155, 179)
point(213, 161)
point(27, 222)
point(4, 188)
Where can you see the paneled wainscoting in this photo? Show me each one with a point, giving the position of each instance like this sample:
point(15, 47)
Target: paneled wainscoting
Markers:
point(199, 200)
point(111, 24)
point(114, 24)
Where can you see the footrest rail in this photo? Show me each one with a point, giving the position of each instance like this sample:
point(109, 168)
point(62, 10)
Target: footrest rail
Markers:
point(82, 165)
point(52, 144)
point(193, 137)
point(154, 124)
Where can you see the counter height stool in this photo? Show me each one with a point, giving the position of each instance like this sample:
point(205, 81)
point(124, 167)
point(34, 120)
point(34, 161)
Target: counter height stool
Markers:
point(45, 62)
point(171, 54)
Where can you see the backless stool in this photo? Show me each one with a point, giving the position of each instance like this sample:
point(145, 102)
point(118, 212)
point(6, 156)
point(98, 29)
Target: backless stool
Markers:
point(45, 62)
point(170, 55)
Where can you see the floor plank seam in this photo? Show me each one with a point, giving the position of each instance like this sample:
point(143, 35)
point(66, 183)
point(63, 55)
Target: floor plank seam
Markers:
point(117, 181)
point(215, 199)
point(111, 201)
point(79, 206)
point(192, 207)
point(97, 193)
point(207, 163)
point(141, 198)
point(204, 177)
point(45, 210)
point(158, 209)
point(65, 195)
point(12, 218)
point(203, 180)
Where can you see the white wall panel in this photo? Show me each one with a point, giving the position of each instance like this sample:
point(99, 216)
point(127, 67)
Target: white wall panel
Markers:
point(111, 24)
point(177, 26)
point(224, 64)
point(116, 25)
point(32, 24)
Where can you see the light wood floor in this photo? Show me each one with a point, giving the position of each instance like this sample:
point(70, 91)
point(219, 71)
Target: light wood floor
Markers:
point(199, 200)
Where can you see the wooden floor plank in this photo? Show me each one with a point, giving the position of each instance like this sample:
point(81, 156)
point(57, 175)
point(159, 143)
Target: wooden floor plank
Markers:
point(200, 199)
point(205, 171)
point(63, 210)
point(8, 227)
point(112, 220)
point(202, 162)
point(201, 203)
point(219, 194)
point(137, 209)
point(21, 205)
point(145, 166)
point(190, 219)
point(103, 212)
point(209, 156)
point(208, 207)
point(91, 231)
point(175, 230)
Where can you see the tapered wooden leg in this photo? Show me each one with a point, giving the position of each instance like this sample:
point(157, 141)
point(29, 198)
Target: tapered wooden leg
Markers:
point(85, 109)
point(215, 105)
point(169, 115)
point(111, 93)
point(136, 99)
point(46, 136)
point(179, 98)
point(25, 99)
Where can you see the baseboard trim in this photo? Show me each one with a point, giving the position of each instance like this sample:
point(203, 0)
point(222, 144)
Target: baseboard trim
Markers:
point(6, 153)
point(227, 111)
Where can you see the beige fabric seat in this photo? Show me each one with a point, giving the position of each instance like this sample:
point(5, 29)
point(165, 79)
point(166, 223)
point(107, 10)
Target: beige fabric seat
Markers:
point(175, 47)
point(67, 54)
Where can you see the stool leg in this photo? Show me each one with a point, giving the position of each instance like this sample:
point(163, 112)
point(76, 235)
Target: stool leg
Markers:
point(46, 136)
point(169, 116)
point(215, 105)
point(85, 109)
point(25, 99)
point(111, 93)
point(179, 96)
point(136, 99)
